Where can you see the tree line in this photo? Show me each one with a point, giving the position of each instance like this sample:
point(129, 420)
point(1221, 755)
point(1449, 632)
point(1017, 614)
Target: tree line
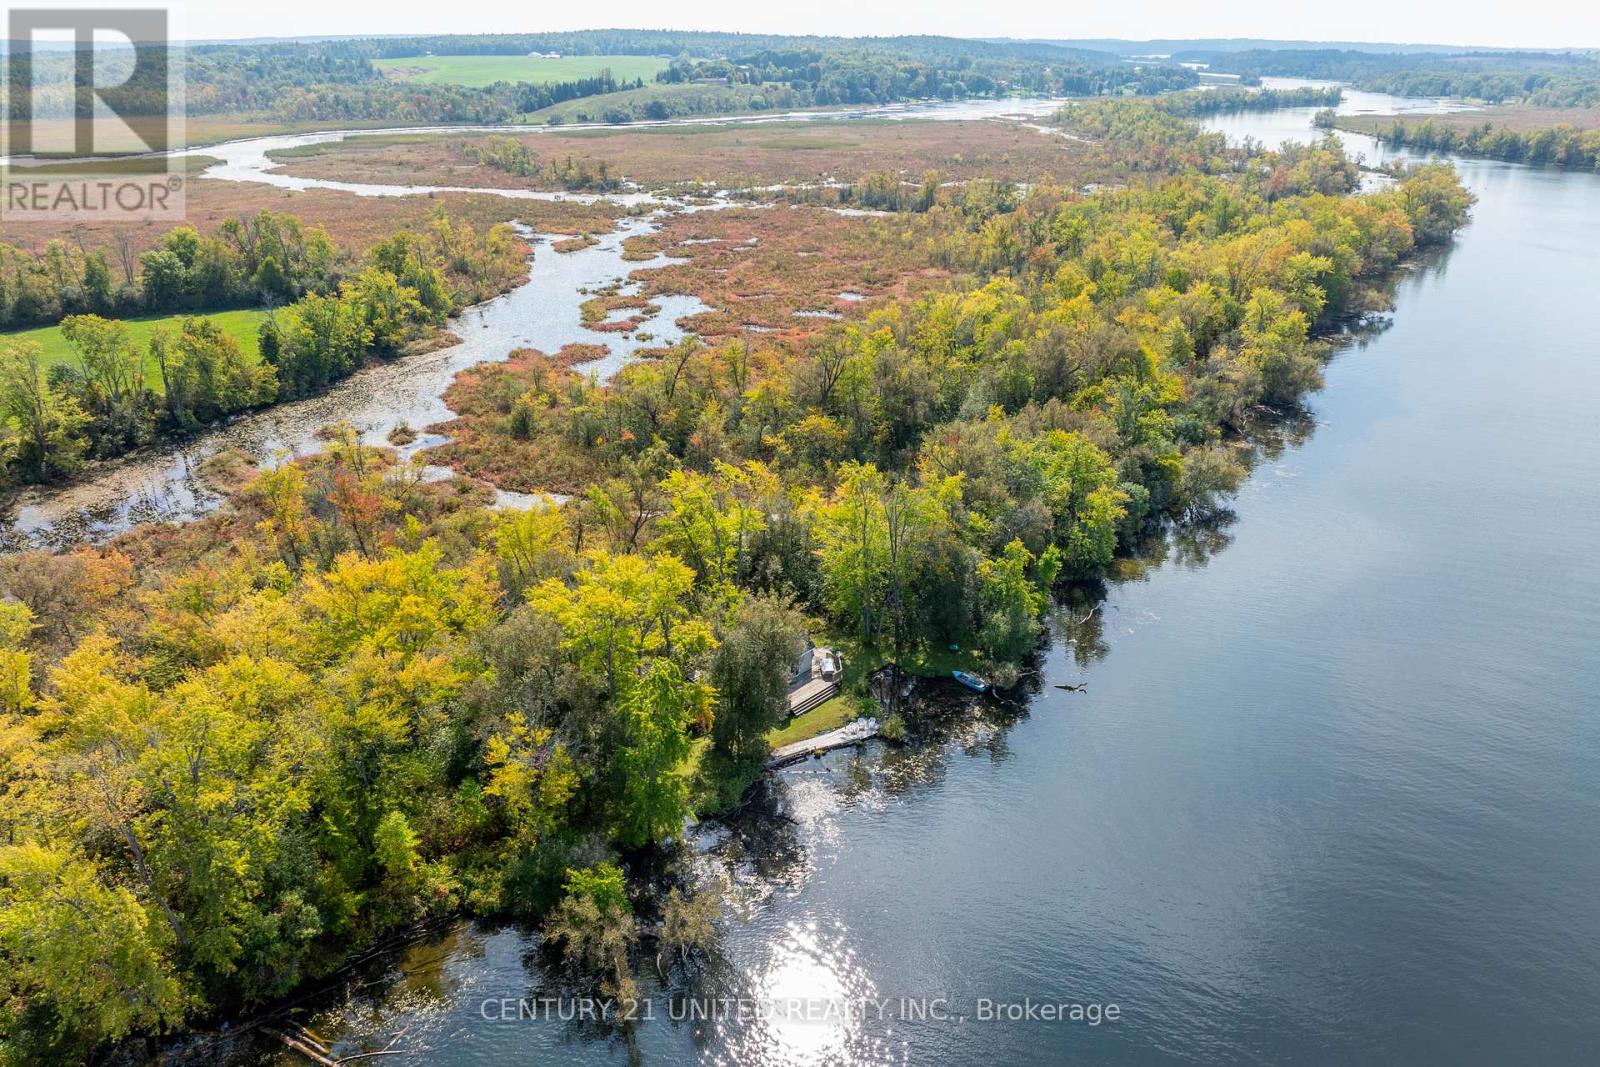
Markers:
point(880, 72)
point(1560, 145)
point(516, 157)
point(332, 80)
point(267, 258)
point(1539, 79)
point(116, 393)
point(1224, 100)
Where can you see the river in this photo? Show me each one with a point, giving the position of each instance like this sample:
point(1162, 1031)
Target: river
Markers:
point(1331, 794)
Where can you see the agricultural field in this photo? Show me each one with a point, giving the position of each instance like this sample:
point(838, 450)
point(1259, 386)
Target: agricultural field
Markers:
point(239, 325)
point(475, 72)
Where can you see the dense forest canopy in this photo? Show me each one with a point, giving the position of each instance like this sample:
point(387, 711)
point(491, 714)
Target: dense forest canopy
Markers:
point(1229, 98)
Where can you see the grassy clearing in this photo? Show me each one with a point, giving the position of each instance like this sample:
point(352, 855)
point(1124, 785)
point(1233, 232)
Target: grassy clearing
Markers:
point(240, 325)
point(478, 71)
point(830, 716)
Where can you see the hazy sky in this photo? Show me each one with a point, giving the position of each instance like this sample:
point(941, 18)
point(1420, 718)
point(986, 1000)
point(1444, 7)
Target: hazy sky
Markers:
point(1549, 23)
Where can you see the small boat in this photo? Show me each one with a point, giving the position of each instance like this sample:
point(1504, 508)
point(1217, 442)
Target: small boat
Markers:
point(971, 681)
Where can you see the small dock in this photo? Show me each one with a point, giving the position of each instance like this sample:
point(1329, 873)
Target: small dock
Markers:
point(851, 733)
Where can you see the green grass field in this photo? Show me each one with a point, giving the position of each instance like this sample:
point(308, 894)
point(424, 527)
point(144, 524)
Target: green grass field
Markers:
point(240, 325)
point(478, 71)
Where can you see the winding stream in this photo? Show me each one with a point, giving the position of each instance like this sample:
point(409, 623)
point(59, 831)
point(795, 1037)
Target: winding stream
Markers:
point(1330, 795)
point(162, 483)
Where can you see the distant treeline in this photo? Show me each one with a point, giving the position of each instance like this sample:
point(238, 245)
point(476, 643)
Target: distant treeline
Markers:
point(316, 81)
point(696, 44)
point(1540, 79)
point(1219, 101)
point(1563, 145)
point(338, 81)
point(857, 73)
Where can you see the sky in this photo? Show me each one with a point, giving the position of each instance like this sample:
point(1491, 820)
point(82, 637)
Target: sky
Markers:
point(1527, 23)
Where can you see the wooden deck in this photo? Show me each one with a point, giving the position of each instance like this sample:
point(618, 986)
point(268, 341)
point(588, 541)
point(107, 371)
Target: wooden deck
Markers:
point(812, 694)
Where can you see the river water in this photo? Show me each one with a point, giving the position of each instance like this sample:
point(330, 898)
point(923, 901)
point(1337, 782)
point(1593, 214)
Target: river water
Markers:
point(1331, 795)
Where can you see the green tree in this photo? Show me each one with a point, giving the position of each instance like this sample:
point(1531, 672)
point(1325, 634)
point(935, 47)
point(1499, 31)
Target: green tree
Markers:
point(113, 367)
point(657, 712)
point(595, 926)
point(750, 670)
point(620, 610)
point(83, 963)
point(44, 425)
point(1009, 603)
point(390, 311)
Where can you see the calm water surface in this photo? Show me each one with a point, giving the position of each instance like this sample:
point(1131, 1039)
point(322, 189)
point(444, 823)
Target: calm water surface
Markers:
point(1332, 794)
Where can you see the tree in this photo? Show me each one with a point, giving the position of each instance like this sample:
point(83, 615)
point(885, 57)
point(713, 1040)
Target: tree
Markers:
point(16, 662)
point(656, 713)
point(1009, 603)
point(532, 546)
point(532, 776)
point(282, 490)
point(687, 921)
point(874, 538)
point(207, 375)
point(1274, 335)
point(751, 670)
point(620, 610)
point(390, 311)
point(321, 340)
point(853, 536)
point(113, 367)
point(594, 925)
point(45, 425)
point(97, 285)
point(1076, 480)
point(630, 502)
point(712, 520)
point(84, 965)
